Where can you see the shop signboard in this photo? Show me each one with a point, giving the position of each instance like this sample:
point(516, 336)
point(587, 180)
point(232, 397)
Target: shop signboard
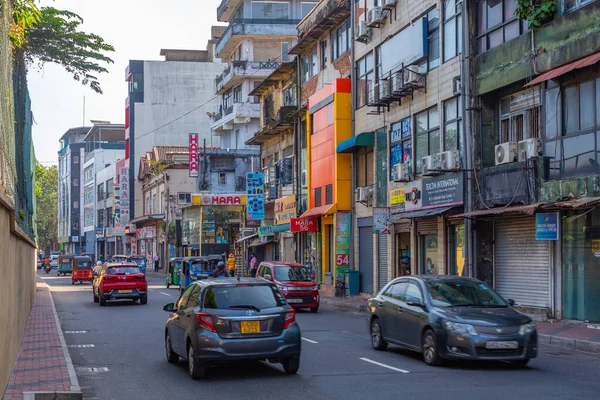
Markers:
point(381, 220)
point(397, 196)
point(285, 209)
point(342, 244)
point(124, 195)
point(596, 247)
point(444, 190)
point(413, 195)
point(546, 226)
point(255, 188)
point(194, 165)
point(219, 199)
point(272, 229)
point(99, 232)
point(308, 224)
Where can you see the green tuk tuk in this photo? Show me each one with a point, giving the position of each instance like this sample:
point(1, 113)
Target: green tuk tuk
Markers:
point(174, 271)
point(64, 264)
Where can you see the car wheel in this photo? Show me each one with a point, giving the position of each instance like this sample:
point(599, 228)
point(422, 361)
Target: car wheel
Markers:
point(520, 363)
point(95, 297)
point(291, 365)
point(195, 369)
point(431, 355)
point(102, 300)
point(58, 274)
point(314, 309)
point(144, 299)
point(377, 340)
point(172, 357)
point(72, 282)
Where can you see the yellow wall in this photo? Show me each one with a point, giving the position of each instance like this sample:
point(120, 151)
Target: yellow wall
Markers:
point(325, 267)
point(343, 162)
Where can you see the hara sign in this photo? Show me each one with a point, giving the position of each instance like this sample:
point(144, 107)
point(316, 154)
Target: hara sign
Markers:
point(194, 166)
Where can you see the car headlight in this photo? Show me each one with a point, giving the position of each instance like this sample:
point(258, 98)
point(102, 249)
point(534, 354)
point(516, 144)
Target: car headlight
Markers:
point(527, 328)
point(283, 288)
point(311, 288)
point(460, 328)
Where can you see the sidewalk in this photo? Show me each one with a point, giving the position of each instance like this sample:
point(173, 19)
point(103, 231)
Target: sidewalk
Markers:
point(571, 335)
point(43, 363)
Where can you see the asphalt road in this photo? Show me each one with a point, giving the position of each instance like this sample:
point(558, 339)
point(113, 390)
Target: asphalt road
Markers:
point(118, 353)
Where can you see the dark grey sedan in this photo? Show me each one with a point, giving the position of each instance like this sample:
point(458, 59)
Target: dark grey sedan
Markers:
point(226, 319)
point(449, 317)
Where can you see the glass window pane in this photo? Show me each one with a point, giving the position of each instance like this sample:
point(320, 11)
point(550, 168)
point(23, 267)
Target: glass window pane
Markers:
point(434, 142)
point(579, 155)
point(482, 44)
point(421, 151)
point(511, 30)
point(407, 151)
point(369, 61)
point(494, 12)
point(598, 102)
point(449, 39)
point(421, 121)
point(495, 38)
point(586, 101)
point(434, 50)
point(571, 109)
point(553, 150)
point(553, 113)
point(459, 35)
point(450, 109)
point(434, 118)
point(433, 19)
point(509, 9)
point(449, 9)
point(451, 136)
point(481, 18)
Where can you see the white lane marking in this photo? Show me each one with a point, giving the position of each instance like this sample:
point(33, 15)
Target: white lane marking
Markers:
point(75, 331)
point(166, 294)
point(81, 345)
point(385, 366)
point(309, 340)
point(93, 369)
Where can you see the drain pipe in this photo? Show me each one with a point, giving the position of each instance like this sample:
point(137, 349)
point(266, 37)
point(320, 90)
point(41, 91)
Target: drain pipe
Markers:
point(353, 117)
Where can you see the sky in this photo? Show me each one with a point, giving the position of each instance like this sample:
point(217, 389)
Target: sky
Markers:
point(138, 29)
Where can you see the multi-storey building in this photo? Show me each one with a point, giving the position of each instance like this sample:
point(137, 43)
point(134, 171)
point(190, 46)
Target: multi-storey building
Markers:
point(106, 240)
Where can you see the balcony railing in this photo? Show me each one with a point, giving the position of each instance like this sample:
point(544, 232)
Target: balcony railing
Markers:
point(393, 86)
point(245, 68)
point(228, 110)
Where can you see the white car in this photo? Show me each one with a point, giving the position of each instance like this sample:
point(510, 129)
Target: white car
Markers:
point(54, 261)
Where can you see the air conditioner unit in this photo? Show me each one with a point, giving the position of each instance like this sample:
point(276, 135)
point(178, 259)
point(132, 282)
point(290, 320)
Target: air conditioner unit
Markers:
point(304, 179)
point(411, 77)
point(362, 31)
point(529, 148)
point(385, 89)
point(303, 205)
point(362, 194)
point(506, 153)
point(401, 172)
point(449, 160)
point(396, 81)
point(428, 165)
point(375, 16)
point(388, 4)
point(373, 95)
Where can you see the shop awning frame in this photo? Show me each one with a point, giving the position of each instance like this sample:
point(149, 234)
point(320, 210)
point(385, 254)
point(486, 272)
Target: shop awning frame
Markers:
point(328, 209)
point(364, 139)
point(259, 242)
point(430, 212)
point(556, 72)
point(247, 238)
point(529, 209)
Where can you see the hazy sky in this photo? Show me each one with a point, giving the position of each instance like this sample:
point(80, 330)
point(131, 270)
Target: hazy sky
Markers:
point(138, 29)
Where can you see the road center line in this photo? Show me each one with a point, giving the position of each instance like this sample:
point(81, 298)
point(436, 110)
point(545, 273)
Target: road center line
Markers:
point(166, 294)
point(385, 366)
point(93, 369)
point(308, 340)
point(75, 331)
point(80, 345)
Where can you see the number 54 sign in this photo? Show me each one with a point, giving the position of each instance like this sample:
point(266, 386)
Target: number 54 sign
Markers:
point(342, 259)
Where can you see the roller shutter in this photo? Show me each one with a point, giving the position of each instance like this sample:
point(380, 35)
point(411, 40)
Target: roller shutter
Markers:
point(382, 260)
point(365, 254)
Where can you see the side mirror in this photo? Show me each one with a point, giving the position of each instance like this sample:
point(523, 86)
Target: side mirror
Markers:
point(268, 277)
point(510, 302)
point(169, 307)
point(413, 301)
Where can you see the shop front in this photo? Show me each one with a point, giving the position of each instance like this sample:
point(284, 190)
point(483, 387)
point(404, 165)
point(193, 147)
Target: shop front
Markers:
point(284, 211)
point(308, 238)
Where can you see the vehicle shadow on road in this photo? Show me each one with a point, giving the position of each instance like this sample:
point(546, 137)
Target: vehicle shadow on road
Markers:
point(241, 370)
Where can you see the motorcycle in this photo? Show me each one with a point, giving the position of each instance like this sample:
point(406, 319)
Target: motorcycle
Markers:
point(48, 268)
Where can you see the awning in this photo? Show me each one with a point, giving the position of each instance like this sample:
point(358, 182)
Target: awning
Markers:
point(556, 72)
point(420, 213)
point(365, 139)
point(247, 237)
point(320, 211)
point(527, 210)
point(582, 202)
point(147, 218)
point(258, 242)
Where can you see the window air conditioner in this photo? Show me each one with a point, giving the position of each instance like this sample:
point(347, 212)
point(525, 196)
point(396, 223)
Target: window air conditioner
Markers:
point(362, 194)
point(529, 148)
point(362, 32)
point(411, 77)
point(506, 153)
point(401, 172)
point(428, 165)
point(304, 179)
point(375, 16)
point(388, 4)
point(449, 160)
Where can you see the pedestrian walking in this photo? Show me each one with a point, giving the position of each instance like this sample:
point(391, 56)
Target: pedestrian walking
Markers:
point(253, 266)
point(156, 259)
point(231, 264)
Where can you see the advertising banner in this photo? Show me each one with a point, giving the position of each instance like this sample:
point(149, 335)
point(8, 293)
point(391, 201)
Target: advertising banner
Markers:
point(194, 165)
point(308, 224)
point(255, 188)
point(342, 244)
point(546, 226)
point(381, 220)
point(285, 209)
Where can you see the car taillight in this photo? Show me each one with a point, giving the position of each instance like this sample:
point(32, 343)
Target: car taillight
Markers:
point(108, 278)
point(290, 316)
point(141, 277)
point(205, 321)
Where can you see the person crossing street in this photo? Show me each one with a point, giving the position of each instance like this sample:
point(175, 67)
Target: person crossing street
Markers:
point(231, 264)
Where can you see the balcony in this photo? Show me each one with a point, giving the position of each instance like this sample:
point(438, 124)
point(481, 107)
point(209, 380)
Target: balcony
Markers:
point(240, 70)
point(399, 83)
point(226, 9)
point(274, 123)
point(239, 29)
point(239, 113)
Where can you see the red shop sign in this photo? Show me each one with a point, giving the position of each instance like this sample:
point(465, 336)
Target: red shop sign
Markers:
point(308, 224)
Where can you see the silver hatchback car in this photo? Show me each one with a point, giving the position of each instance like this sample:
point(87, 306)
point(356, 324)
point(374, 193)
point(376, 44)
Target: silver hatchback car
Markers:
point(229, 319)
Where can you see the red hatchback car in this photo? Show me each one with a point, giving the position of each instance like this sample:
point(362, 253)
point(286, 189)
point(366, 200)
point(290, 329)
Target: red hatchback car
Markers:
point(294, 281)
point(120, 281)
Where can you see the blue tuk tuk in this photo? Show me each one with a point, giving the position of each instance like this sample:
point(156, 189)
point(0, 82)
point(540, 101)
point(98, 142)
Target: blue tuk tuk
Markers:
point(140, 261)
point(64, 264)
point(194, 268)
point(174, 271)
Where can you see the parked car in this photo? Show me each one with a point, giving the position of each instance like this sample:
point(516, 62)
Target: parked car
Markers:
point(223, 320)
point(449, 317)
point(39, 262)
point(54, 259)
point(294, 280)
point(118, 282)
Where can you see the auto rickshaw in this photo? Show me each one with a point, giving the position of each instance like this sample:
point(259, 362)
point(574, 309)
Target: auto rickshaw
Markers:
point(140, 261)
point(90, 255)
point(174, 271)
point(82, 269)
point(195, 268)
point(119, 258)
point(65, 264)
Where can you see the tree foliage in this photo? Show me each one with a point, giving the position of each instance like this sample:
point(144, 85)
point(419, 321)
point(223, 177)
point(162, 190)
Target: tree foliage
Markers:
point(46, 192)
point(535, 12)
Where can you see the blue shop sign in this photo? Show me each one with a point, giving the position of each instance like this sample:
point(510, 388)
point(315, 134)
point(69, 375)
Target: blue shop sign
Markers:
point(546, 226)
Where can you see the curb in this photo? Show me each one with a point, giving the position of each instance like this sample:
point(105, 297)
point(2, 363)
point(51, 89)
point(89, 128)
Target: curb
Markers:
point(571, 344)
point(343, 306)
point(72, 375)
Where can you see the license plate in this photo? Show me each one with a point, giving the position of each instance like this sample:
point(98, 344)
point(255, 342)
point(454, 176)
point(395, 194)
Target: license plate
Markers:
point(294, 300)
point(124, 291)
point(501, 345)
point(250, 327)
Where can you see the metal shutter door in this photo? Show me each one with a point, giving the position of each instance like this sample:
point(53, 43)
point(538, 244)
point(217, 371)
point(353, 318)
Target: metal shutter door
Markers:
point(522, 270)
point(365, 258)
point(428, 225)
point(382, 260)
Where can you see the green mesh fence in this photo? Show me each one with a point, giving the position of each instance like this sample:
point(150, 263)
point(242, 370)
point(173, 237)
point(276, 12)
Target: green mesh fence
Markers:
point(7, 133)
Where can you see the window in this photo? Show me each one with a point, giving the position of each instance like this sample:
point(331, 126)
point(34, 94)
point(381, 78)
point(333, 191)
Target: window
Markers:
point(341, 40)
point(255, 296)
point(136, 83)
point(270, 10)
point(364, 166)
point(285, 47)
point(75, 205)
point(427, 135)
point(496, 23)
point(222, 178)
point(318, 197)
point(109, 188)
point(237, 94)
point(433, 42)
point(289, 95)
point(184, 198)
point(365, 79)
point(397, 290)
point(109, 217)
point(452, 117)
point(413, 291)
point(194, 300)
point(227, 100)
point(154, 205)
point(570, 5)
point(307, 7)
point(75, 182)
point(182, 302)
point(75, 159)
point(401, 145)
point(323, 50)
point(329, 194)
point(520, 116)
point(309, 66)
point(452, 29)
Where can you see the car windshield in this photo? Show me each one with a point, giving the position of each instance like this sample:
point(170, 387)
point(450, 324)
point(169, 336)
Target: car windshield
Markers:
point(85, 264)
point(122, 270)
point(200, 267)
point(138, 261)
point(243, 296)
point(463, 294)
point(291, 274)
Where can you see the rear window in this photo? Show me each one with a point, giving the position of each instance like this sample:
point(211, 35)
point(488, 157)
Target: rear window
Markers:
point(84, 264)
point(122, 270)
point(200, 266)
point(243, 296)
point(283, 273)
